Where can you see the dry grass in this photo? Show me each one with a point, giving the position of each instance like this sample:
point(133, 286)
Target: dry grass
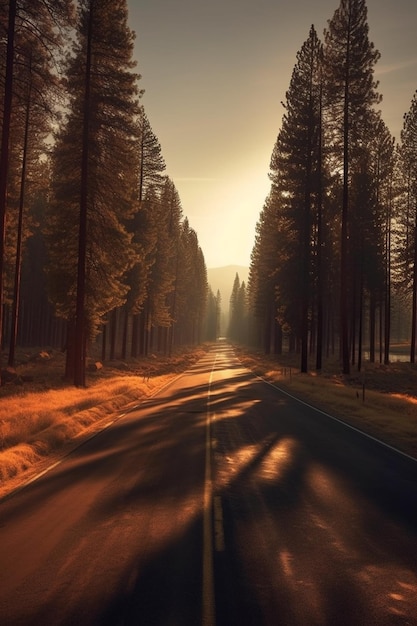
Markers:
point(47, 417)
point(44, 419)
point(381, 400)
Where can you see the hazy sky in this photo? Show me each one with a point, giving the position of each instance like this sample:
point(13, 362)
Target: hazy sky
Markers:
point(214, 74)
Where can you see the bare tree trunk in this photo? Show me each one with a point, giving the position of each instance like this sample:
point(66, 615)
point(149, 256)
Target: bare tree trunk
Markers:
point(135, 336)
point(5, 140)
point(354, 311)
point(18, 262)
point(344, 264)
point(125, 329)
point(414, 304)
point(104, 343)
point(268, 330)
point(387, 334)
point(113, 334)
point(360, 330)
point(80, 322)
point(381, 325)
point(70, 351)
point(320, 289)
point(277, 338)
point(372, 316)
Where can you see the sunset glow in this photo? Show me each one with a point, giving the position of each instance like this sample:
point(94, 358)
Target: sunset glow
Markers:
point(214, 76)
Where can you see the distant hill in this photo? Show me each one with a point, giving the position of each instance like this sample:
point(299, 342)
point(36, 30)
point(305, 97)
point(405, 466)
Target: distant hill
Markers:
point(222, 279)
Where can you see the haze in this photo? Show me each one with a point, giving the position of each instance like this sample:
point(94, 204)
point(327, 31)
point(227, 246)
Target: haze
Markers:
point(214, 76)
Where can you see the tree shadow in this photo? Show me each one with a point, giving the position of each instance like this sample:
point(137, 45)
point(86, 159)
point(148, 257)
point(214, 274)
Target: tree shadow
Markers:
point(144, 527)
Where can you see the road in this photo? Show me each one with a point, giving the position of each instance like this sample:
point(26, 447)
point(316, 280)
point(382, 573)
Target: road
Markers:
point(220, 501)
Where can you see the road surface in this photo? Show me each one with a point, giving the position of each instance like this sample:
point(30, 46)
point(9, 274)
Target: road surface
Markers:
point(220, 501)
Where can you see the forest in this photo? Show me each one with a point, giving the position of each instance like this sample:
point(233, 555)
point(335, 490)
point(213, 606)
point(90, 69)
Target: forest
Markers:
point(96, 254)
point(333, 269)
point(95, 251)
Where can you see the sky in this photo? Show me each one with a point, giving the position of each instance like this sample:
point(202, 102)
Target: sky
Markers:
point(215, 73)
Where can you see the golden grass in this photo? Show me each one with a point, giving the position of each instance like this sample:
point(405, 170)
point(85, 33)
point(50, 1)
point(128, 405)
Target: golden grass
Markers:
point(381, 400)
point(48, 417)
point(44, 419)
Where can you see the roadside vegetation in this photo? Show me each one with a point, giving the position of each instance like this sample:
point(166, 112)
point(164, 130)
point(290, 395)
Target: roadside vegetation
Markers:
point(381, 400)
point(42, 417)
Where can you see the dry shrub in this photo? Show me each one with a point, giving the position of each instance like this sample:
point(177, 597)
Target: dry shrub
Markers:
point(40, 418)
point(16, 460)
point(41, 424)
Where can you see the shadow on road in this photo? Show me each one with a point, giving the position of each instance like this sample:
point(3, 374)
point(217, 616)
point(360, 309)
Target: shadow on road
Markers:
point(303, 542)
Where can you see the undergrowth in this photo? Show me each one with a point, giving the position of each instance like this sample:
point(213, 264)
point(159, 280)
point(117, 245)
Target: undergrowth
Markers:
point(381, 400)
point(44, 416)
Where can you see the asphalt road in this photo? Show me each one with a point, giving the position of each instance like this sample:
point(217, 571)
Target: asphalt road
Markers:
point(220, 501)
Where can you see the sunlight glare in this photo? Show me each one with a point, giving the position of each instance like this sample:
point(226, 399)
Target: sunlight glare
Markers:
point(278, 460)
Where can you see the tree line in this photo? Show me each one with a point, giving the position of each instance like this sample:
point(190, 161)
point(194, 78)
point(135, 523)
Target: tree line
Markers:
point(335, 252)
point(94, 248)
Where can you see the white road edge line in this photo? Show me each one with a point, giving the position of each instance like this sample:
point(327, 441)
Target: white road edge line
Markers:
point(336, 419)
point(61, 460)
point(45, 471)
point(208, 601)
point(65, 456)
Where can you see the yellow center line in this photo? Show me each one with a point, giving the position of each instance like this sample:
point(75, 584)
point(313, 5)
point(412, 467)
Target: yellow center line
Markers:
point(208, 608)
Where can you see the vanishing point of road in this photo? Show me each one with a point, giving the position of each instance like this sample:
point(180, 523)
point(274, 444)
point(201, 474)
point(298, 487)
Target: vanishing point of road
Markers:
point(221, 501)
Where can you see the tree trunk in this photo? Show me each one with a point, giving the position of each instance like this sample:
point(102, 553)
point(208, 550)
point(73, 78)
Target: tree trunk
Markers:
point(268, 330)
point(70, 351)
point(414, 304)
point(320, 321)
point(387, 333)
point(135, 336)
point(277, 338)
point(360, 330)
point(5, 140)
point(104, 343)
point(113, 334)
point(18, 261)
point(372, 327)
point(344, 264)
point(381, 326)
point(125, 330)
point(142, 332)
point(80, 321)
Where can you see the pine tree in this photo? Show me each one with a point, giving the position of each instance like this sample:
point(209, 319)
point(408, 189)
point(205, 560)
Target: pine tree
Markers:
point(213, 315)
point(377, 226)
point(351, 93)
point(151, 161)
point(36, 92)
point(162, 267)
point(233, 332)
point(95, 170)
point(34, 36)
point(150, 184)
point(191, 288)
point(267, 255)
point(5, 143)
point(408, 238)
point(295, 174)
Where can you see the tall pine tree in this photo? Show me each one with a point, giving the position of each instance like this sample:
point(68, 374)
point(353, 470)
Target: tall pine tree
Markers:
point(295, 174)
point(24, 20)
point(95, 172)
point(351, 92)
point(408, 239)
